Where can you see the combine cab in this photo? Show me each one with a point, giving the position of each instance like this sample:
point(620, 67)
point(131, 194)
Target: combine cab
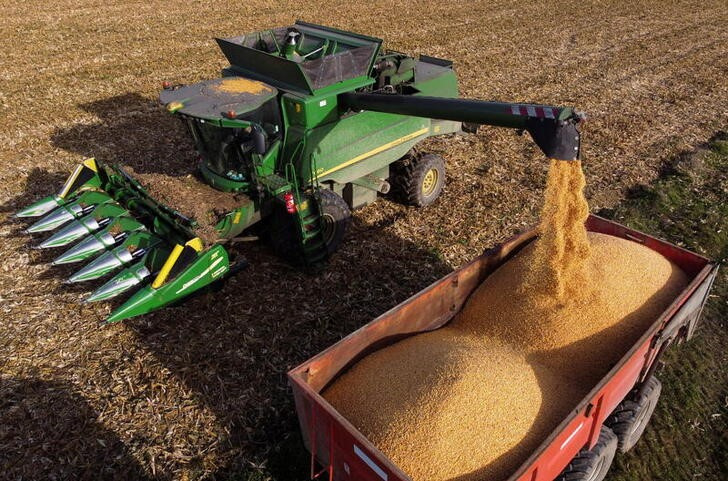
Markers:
point(306, 124)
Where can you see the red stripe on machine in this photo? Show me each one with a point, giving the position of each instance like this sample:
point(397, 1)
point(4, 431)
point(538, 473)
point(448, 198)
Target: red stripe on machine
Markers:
point(534, 111)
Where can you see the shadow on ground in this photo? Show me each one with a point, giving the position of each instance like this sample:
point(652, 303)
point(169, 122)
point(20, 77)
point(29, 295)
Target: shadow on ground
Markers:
point(131, 130)
point(49, 432)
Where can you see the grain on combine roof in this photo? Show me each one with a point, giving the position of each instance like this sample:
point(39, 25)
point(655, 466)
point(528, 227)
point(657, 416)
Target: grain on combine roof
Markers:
point(473, 399)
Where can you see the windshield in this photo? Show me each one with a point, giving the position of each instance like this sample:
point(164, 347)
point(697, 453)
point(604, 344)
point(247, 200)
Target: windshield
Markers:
point(227, 151)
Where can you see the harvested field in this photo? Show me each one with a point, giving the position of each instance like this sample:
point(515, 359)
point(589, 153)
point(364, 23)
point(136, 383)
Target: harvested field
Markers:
point(198, 391)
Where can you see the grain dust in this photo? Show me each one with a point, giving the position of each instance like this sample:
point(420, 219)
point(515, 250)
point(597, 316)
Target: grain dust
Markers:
point(472, 400)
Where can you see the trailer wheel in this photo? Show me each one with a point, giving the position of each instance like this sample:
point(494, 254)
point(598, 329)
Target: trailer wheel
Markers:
point(335, 219)
point(630, 418)
point(592, 464)
point(418, 181)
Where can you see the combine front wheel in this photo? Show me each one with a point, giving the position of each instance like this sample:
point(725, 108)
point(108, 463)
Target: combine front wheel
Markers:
point(335, 219)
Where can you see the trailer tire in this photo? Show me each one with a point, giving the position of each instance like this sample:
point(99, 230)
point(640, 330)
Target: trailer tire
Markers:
point(592, 464)
point(335, 219)
point(418, 181)
point(630, 418)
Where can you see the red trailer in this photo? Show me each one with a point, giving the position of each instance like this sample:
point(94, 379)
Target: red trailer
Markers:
point(623, 399)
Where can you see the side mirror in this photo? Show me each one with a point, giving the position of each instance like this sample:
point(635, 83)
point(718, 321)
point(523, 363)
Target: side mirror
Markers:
point(259, 140)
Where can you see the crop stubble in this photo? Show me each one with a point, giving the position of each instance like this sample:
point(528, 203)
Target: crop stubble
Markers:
point(80, 79)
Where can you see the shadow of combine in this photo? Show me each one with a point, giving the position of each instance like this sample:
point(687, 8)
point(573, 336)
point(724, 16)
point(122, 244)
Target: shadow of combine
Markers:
point(38, 184)
point(49, 432)
point(234, 347)
point(131, 130)
point(134, 131)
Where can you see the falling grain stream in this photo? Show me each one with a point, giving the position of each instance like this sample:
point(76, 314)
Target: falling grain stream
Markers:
point(473, 399)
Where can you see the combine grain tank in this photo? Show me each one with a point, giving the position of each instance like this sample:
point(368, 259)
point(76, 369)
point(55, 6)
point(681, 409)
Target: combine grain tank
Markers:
point(340, 450)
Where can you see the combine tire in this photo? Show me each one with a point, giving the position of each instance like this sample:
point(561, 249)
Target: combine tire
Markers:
point(335, 219)
point(592, 464)
point(630, 418)
point(469, 127)
point(418, 181)
point(282, 235)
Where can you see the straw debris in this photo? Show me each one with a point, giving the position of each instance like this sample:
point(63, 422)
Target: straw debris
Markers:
point(82, 79)
point(192, 198)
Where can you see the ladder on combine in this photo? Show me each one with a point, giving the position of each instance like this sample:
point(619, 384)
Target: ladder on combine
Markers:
point(309, 215)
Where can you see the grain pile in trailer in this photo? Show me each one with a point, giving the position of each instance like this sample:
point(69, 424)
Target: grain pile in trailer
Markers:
point(473, 399)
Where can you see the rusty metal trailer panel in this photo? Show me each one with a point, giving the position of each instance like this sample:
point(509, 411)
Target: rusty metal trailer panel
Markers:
point(341, 451)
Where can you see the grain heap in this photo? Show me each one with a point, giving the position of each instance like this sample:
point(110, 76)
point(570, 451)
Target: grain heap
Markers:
point(421, 402)
point(473, 399)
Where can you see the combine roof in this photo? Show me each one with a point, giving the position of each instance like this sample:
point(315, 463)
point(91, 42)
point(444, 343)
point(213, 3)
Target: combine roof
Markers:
point(327, 56)
point(210, 99)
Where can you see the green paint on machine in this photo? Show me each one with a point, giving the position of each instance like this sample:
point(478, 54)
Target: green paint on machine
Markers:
point(306, 123)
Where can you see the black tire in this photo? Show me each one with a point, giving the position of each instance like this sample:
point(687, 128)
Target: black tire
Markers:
point(592, 464)
point(335, 219)
point(630, 418)
point(282, 234)
point(418, 181)
point(469, 127)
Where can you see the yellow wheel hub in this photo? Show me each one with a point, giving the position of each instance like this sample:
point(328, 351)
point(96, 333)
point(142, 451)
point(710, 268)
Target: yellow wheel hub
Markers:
point(429, 182)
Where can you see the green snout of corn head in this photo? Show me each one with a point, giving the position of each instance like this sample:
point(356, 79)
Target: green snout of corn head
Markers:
point(307, 123)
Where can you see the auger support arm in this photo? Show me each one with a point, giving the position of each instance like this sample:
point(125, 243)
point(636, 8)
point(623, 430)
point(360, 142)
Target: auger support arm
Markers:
point(554, 129)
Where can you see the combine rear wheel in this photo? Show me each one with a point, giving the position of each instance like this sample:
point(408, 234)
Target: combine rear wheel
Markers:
point(630, 418)
point(418, 181)
point(592, 464)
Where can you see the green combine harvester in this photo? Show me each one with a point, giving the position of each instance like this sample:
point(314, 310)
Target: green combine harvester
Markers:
point(306, 124)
